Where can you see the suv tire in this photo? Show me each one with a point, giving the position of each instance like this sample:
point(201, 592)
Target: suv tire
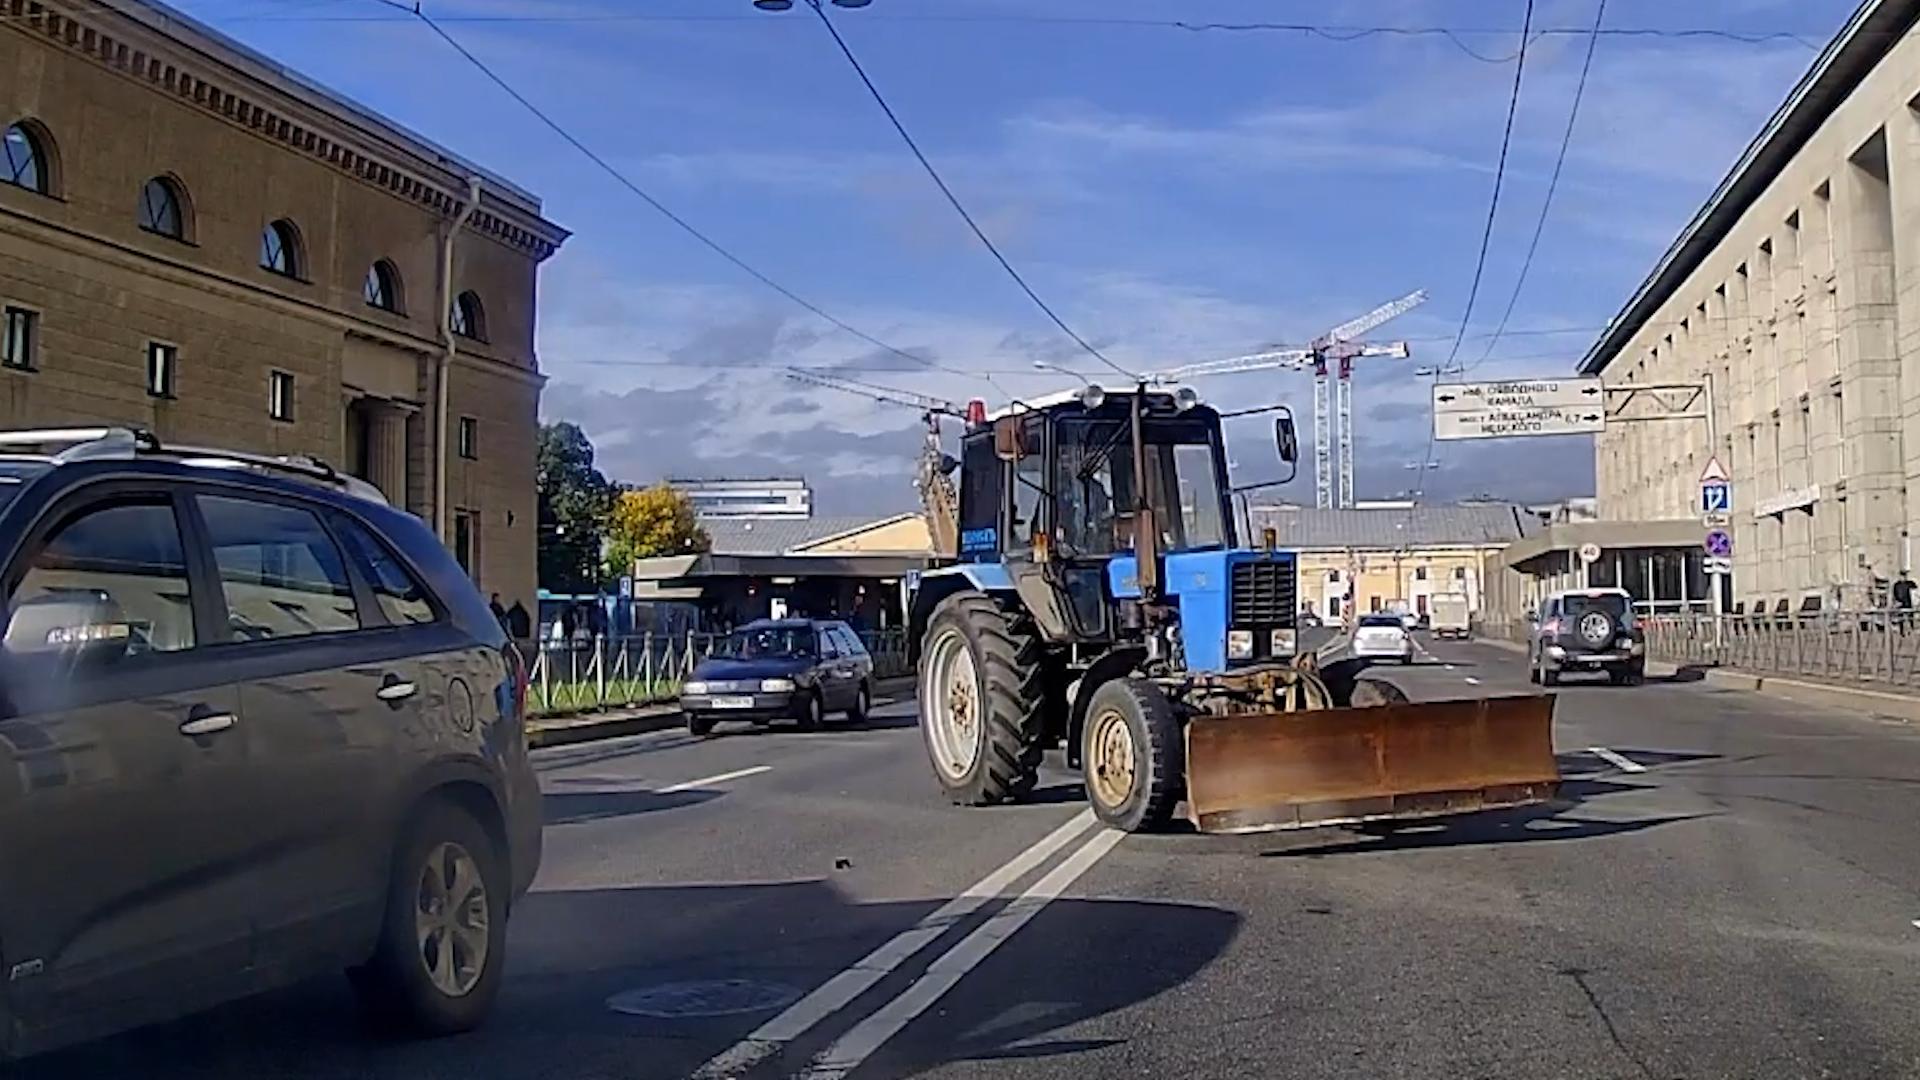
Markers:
point(437, 985)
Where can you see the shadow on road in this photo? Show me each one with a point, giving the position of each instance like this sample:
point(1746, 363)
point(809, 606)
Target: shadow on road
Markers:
point(571, 951)
point(573, 807)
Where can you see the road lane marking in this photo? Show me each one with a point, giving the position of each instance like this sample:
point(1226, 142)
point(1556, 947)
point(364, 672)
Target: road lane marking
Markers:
point(1472, 680)
point(1624, 764)
point(709, 781)
point(838, 992)
point(852, 1049)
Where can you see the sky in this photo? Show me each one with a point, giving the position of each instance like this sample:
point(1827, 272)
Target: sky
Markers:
point(1175, 195)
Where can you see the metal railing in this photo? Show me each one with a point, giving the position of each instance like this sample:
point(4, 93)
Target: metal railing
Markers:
point(647, 669)
point(1880, 647)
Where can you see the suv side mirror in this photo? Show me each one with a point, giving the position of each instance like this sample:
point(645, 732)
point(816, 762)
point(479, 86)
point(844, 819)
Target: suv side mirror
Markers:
point(1285, 439)
point(83, 628)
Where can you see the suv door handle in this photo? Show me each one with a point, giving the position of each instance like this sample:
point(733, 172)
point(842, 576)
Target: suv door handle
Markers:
point(396, 691)
point(207, 723)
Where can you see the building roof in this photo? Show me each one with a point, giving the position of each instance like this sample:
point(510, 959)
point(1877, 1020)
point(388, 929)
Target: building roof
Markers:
point(1875, 28)
point(1304, 528)
point(784, 536)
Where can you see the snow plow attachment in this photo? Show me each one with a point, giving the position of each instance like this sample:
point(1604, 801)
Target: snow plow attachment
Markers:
point(1258, 772)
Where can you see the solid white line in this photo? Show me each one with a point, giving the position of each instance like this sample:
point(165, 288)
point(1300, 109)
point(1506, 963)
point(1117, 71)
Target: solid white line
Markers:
point(1624, 764)
point(836, 993)
point(850, 1050)
point(709, 781)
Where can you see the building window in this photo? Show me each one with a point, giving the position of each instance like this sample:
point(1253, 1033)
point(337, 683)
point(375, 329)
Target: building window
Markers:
point(26, 164)
point(382, 288)
point(279, 395)
point(162, 208)
point(469, 438)
point(1419, 573)
point(22, 338)
point(280, 249)
point(468, 319)
point(463, 540)
point(163, 362)
point(1333, 577)
point(1459, 573)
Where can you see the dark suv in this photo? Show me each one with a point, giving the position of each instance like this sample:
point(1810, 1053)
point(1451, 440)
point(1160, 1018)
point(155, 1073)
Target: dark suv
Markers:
point(773, 668)
point(1587, 630)
point(254, 725)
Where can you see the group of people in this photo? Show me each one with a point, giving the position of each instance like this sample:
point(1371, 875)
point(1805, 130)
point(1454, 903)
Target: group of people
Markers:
point(514, 620)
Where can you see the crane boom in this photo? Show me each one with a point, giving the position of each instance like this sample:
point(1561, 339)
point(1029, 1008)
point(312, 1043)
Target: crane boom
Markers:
point(1378, 317)
point(871, 391)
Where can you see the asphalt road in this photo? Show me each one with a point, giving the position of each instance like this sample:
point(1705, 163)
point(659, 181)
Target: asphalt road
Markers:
point(1729, 888)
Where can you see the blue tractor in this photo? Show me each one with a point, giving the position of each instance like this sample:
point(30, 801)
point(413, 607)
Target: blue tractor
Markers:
point(1102, 601)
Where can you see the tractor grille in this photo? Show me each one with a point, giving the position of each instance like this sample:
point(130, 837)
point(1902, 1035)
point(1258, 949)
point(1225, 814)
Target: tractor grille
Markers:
point(1264, 594)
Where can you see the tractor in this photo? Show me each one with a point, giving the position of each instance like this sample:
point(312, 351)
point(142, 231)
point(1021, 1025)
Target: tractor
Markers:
point(1100, 600)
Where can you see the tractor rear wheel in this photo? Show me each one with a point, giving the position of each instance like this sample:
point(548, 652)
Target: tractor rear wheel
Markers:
point(1133, 756)
point(982, 691)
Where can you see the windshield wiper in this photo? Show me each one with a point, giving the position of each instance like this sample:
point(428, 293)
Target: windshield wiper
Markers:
point(1100, 456)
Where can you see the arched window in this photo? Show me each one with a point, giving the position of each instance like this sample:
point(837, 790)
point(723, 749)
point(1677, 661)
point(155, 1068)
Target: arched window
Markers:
point(382, 287)
point(280, 249)
point(163, 208)
point(27, 164)
point(468, 318)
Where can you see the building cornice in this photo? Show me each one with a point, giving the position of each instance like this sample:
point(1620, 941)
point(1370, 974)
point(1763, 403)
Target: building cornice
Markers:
point(154, 45)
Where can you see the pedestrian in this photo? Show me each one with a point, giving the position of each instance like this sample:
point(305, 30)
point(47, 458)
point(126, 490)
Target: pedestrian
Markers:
point(519, 623)
point(499, 612)
point(1903, 599)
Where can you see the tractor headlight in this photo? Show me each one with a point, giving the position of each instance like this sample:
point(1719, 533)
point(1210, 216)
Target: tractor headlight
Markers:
point(1283, 642)
point(696, 688)
point(1239, 644)
point(776, 686)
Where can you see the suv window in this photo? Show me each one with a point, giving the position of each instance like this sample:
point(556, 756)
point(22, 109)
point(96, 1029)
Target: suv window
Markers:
point(1611, 603)
point(402, 598)
point(850, 642)
point(281, 573)
point(129, 553)
point(830, 644)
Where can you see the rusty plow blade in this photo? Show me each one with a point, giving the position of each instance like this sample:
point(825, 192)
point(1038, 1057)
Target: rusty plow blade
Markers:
point(1263, 771)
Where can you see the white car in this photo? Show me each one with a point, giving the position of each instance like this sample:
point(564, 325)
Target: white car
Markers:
point(1382, 637)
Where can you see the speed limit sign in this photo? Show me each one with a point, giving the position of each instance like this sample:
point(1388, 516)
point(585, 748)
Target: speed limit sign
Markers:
point(1589, 552)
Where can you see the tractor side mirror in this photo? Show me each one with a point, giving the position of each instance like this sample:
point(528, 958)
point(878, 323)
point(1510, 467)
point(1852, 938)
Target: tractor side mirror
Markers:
point(1009, 438)
point(1285, 439)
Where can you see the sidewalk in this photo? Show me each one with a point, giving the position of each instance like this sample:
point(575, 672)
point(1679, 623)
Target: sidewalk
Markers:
point(618, 723)
point(1884, 703)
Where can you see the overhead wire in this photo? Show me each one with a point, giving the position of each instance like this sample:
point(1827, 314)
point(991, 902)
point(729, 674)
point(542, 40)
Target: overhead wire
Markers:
point(682, 223)
point(1553, 184)
point(952, 199)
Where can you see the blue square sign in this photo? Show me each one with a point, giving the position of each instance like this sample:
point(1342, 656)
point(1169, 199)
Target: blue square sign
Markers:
point(1716, 497)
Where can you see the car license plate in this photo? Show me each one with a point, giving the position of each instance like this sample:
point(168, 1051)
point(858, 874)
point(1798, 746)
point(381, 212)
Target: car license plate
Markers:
point(733, 703)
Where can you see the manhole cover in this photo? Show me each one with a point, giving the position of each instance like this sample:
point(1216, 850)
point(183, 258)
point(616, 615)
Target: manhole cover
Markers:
point(714, 997)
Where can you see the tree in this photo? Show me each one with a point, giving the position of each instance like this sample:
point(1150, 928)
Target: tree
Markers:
point(575, 501)
point(651, 522)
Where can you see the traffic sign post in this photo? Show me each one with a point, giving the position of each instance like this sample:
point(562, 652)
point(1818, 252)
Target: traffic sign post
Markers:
point(1716, 509)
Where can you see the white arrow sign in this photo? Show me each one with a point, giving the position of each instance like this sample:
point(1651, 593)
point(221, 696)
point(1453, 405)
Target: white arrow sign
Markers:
point(1519, 394)
point(1507, 423)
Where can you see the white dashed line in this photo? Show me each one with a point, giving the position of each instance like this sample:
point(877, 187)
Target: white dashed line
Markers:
point(709, 781)
point(1916, 924)
point(1624, 764)
point(1472, 680)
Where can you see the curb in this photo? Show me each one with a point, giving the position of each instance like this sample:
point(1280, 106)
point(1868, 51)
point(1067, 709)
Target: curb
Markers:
point(1902, 707)
point(663, 718)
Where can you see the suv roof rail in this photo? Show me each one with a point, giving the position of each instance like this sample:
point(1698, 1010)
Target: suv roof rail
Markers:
point(67, 445)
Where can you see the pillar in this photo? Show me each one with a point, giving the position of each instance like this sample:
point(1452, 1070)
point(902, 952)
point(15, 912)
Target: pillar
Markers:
point(386, 425)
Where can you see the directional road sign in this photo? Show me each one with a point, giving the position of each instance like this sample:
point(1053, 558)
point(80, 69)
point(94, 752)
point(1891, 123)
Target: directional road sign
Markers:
point(1716, 497)
point(1499, 410)
point(1719, 544)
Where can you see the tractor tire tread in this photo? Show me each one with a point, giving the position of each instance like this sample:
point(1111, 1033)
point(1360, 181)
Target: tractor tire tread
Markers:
point(1163, 756)
point(1011, 669)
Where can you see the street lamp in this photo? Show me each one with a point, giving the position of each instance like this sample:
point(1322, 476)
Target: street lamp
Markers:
point(1091, 397)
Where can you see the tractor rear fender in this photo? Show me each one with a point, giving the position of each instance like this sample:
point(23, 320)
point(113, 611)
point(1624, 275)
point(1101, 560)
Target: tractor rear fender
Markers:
point(936, 585)
point(1117, 664)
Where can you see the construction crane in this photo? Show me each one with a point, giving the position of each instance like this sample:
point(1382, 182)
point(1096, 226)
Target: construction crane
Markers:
point(1331, 356)
point(939, 502)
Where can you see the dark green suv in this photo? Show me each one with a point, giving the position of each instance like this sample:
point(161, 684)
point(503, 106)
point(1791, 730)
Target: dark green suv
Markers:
point(255, 724)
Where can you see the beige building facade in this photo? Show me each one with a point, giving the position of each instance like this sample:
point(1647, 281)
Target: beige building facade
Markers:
point(195, 241)
point(1794, 294)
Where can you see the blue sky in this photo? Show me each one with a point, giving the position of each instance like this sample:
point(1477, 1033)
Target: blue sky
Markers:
point(1176, 195)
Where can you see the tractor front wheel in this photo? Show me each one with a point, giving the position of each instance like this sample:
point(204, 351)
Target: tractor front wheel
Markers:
point(981, 694)
point(1133, 756)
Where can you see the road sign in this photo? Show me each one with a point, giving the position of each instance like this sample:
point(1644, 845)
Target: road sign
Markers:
point(1719, 544)
point(1715, 521)
point(1519, 395)
point(1507, 423)
point(626, 587)
point(1714, 473)
point(1718, 566)
point(1589, 552)
point(1500, 410)
point(1716, 497)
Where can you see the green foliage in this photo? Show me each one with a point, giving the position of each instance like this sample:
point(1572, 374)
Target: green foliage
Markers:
point(649, 523)
point(575, 501)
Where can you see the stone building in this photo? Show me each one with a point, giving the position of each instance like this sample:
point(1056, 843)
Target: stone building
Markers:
point(1794, 293)
point(197, 241)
